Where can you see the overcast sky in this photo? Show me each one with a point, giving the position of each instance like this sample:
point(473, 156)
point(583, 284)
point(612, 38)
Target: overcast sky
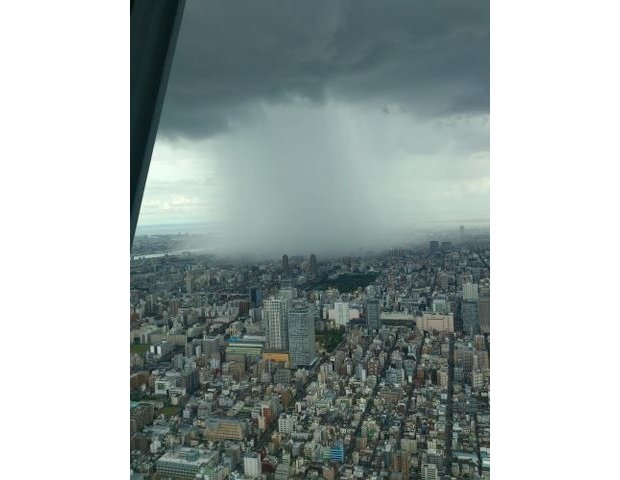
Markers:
point(317, 125)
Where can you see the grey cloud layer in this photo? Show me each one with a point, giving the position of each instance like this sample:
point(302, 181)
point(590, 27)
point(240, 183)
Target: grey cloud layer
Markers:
point(429, 58)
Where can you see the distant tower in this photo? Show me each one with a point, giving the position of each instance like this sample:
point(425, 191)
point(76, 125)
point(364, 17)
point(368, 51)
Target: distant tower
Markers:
point(372, 313)
point(313, 264)
point(462, 232)
point(301, 334)
point(285, 263)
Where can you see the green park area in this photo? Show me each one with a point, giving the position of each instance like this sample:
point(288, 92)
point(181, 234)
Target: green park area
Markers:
point(330, 340)
point(168, 411)
point(140, 348)
point(347, 283)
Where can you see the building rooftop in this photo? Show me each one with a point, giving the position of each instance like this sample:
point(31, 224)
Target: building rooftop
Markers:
point(189, 456)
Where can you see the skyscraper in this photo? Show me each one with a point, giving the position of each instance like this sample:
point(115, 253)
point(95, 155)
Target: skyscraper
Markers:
point(469, 309)
point(255, 297)
point(285, 264)
point(484, 310)
point(372, 313)
point(462, 232)
point(301, 337)
point(275, 311)
point(342, 313)
point(313, 264)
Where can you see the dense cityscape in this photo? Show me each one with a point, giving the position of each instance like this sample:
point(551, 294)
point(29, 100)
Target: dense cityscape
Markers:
point(370, 366)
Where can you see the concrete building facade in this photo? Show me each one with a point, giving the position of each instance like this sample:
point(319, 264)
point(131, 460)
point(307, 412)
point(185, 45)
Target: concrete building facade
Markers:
point(301, 339)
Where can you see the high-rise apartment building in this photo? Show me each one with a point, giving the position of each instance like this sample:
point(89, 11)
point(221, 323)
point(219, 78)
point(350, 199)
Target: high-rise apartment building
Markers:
point(372, 313)
point(301, 339)
point(275, 311)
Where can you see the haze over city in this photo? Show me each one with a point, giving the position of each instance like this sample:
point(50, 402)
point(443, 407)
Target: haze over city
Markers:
point(310, 276)
point(324, 126)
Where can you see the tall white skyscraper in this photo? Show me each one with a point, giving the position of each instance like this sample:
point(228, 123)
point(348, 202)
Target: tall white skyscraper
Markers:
point(275, 311)
point(342, 313)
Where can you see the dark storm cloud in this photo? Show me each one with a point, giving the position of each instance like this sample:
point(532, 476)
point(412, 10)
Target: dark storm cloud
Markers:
point(428, 57)
point(324, 125)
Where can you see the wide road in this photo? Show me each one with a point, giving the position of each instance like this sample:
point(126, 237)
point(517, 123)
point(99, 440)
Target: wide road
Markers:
point(449, 403)
point(370, 403)
point(299, 394)
point(411, 389)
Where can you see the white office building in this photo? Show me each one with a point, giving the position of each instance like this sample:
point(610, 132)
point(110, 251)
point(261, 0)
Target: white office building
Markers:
point(429, 472)
point(341, 311)
point(285, 424)
point(252, 465)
